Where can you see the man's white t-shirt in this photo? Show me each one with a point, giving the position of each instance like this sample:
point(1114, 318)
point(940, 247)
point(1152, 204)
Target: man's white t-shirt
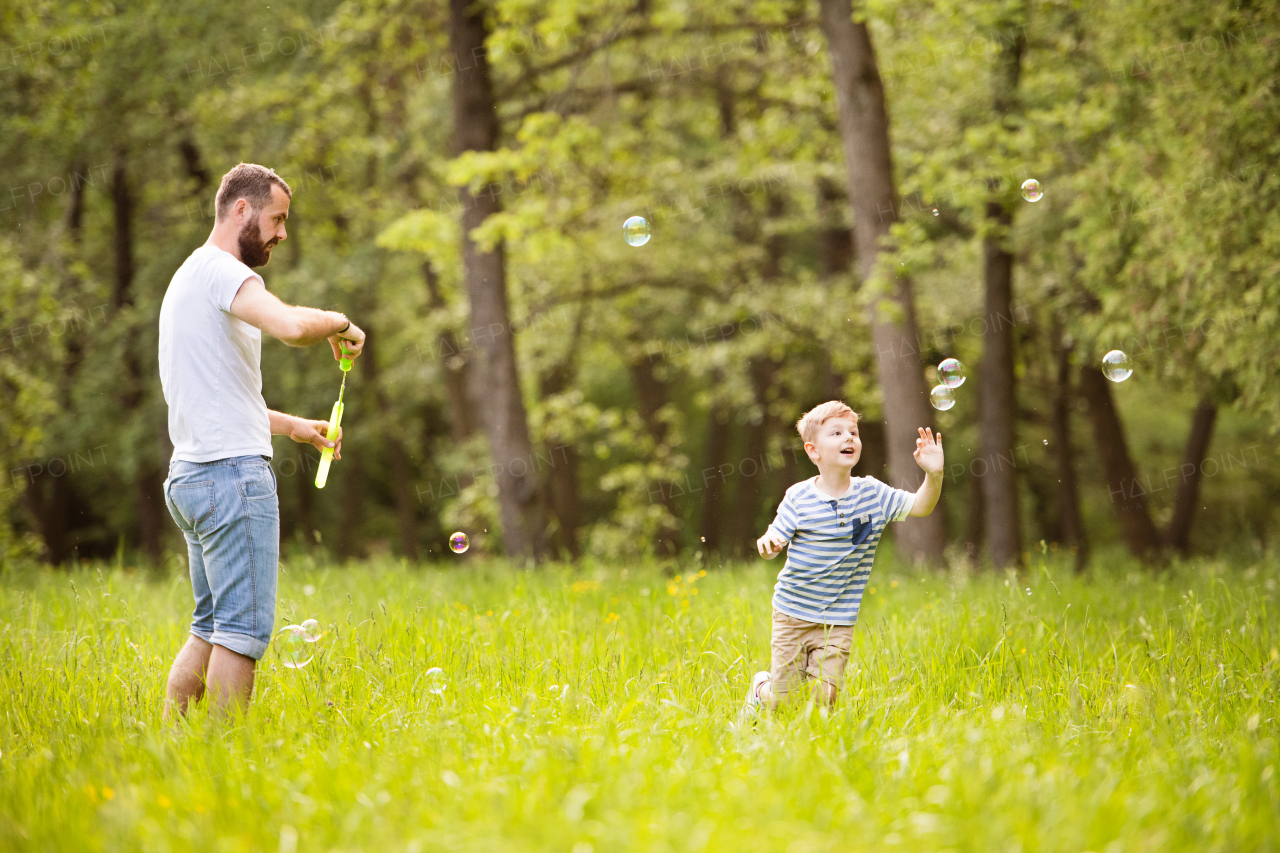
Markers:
point(211, 362)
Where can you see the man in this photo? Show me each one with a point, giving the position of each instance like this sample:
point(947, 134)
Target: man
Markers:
point(221, 490)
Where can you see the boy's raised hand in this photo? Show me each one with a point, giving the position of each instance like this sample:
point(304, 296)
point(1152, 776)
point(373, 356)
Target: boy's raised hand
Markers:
point(770, 544)
point(928, 452)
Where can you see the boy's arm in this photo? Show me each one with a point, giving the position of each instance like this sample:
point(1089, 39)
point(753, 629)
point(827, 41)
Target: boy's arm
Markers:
point(927, 495)
point(928, 455)
point(780, 531)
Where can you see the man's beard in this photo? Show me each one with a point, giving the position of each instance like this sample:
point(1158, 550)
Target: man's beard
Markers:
point(253, 252)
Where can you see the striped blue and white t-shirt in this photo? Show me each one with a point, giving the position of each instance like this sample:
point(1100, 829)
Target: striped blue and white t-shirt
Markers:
point(833, 543)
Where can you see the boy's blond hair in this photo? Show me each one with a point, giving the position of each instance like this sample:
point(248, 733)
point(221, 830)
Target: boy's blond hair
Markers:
point(808, 424)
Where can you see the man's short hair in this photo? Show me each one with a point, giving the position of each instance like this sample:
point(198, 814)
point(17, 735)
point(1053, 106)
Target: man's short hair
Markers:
point(808, 424)
point(250, 182)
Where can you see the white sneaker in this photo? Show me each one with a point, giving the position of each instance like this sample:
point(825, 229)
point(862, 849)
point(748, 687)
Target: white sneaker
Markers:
point(751, 708)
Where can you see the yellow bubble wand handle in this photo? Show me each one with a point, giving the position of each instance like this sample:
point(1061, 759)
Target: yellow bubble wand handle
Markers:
point(335, 422)
point(326, 455)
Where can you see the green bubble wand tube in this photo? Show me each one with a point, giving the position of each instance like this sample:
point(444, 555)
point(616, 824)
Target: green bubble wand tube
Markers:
point(335, 421)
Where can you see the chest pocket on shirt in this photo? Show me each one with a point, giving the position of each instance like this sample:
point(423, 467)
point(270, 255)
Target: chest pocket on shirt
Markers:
point(863, 528)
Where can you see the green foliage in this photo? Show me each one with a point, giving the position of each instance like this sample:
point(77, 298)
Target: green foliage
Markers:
point(1046, 711)
point(718, 124)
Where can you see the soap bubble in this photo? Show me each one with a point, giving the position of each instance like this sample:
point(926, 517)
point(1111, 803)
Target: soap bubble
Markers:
point(1031, 190)
point(951, 372)
point(1046, 441)
point(293, 646)
point(1028, 590)
point(942, 398)
point(459, 542)
point(935, 211)
point(435, 681)
point(312, 629)
point(1116, 367)
point(636, 231)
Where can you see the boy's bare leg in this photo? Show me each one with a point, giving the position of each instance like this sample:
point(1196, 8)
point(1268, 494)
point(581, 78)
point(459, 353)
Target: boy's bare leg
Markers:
point(187, 676)
point(230, 679)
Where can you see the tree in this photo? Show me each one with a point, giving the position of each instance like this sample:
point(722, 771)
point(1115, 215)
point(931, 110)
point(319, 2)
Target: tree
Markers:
point(494, 375)
point(864, 128)
point(997, 395)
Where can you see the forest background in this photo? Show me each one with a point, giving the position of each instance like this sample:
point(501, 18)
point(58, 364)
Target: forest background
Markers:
point(834, 196)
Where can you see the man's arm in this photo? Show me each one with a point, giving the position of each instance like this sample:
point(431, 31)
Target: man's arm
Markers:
point(293, 324)
point(305, 431)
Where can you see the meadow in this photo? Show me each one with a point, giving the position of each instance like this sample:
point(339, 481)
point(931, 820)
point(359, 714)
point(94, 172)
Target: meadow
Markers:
point(595, 708)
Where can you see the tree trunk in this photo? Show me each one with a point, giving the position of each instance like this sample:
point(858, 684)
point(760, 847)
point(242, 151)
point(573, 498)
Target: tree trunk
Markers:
point(148, 482)
point(562, 473)
point(305, 492)
point(872, 460)
point(1069, 518)
point(57, 509)
point(195, 166)
point(59, 514)
point(1178, 534)
point(494, 376)
point(997, 399)
point(562, 488)
point(1127, 495)
point(748, 499)
point(864, 130)
point(122, 221)
point(997, 409)
point(975, 523)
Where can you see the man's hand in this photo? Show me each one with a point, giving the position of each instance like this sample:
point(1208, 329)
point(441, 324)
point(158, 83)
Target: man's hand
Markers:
point(929, 452)
point(771, 544)
point(353, 336)
point(304, 431)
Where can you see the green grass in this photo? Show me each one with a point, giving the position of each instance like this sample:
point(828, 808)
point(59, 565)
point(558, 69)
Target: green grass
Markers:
point(1118, 711)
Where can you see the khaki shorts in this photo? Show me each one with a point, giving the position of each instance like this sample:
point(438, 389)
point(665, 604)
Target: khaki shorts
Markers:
point(803, 650)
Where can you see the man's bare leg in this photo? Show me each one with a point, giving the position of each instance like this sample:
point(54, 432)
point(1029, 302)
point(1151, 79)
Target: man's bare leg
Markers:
point(187, 676)
point(230, 680)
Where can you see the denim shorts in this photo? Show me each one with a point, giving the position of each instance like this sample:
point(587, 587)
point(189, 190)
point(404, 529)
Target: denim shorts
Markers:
point(230, 516)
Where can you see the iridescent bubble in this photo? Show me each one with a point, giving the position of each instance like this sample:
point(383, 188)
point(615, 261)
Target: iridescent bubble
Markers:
point(942, 398)
point(935, 211)
point(435, 680)
point(1116, 367)
point(292, 647)
point(1028, 590)
point(636, 231)
point(1031, 190)
point(951, 372)
point(1046, 441)
point(459, 542)
point(312, 629)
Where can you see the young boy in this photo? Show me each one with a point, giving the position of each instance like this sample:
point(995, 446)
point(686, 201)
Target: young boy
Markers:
point(833, 523)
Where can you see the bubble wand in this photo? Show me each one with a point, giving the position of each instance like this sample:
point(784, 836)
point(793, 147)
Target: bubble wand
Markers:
point(335, 421)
